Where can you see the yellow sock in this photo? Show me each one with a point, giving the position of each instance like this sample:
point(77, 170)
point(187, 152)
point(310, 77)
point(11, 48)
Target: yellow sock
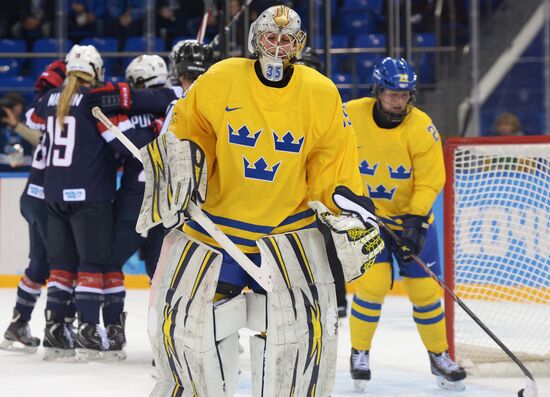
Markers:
point(370, 290)
point(428, 314)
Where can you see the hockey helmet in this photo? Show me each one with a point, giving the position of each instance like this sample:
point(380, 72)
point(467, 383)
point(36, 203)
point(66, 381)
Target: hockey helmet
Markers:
point(147, 71)
point(85, 58)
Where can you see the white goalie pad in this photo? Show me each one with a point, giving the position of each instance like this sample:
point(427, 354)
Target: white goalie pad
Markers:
point(174, 170)
point(296, 355)
point(195, 353)
point(357, 243)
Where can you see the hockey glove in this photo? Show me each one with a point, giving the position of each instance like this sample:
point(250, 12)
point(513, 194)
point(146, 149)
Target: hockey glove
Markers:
point(111, 98)
point(357, 241)
point(175, 172)
point(415, 228)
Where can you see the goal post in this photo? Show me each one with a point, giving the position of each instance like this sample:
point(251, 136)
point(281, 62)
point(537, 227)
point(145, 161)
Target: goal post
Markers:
point(497, 248)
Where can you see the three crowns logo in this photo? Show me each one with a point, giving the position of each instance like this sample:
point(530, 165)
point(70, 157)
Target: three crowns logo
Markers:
point(259, 170)
point(400, 173)
point(381, 193)
point(365, 169)
point(242, 136)
point(287, 144)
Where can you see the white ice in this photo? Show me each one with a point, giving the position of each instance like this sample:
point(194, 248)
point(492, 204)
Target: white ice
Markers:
point(399, 362)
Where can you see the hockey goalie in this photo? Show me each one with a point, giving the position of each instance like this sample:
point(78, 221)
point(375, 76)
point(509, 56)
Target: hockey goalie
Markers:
point(261, 145)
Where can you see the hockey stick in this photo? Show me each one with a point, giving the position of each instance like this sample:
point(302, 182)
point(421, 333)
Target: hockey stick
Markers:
point(260, 274)
point(204, 22)
point(216, 40)
point(531, 386)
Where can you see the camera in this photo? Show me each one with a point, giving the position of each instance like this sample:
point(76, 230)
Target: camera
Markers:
point(10, 100)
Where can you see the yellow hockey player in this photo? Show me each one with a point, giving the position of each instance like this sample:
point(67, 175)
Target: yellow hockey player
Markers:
point(401, 162)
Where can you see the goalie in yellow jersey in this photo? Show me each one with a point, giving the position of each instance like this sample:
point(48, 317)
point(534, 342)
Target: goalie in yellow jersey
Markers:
point(276, 146)
point(401, 162)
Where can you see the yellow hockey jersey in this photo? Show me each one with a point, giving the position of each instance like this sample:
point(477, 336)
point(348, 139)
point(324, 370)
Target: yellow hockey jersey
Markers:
point(402, 168)
point(268, 150)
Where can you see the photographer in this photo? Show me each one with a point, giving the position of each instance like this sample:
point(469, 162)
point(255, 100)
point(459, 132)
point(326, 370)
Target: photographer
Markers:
point(12, 147)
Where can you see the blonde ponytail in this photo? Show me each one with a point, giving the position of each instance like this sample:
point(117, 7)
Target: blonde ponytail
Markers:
point(72, 84)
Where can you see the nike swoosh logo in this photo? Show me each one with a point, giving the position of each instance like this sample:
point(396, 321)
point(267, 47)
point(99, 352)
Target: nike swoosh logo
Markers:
point(430, 264)
point(228, 109)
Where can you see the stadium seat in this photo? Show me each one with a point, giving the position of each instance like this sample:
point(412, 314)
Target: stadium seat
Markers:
point(425, 61)
point(365, 62)
point(46, 45)
point(11, 66)
point(343, 78)
point(374, 6)
point(354, 22)
point(22, 85)
point(139, 44)
point(336, 41)
point(104, 44)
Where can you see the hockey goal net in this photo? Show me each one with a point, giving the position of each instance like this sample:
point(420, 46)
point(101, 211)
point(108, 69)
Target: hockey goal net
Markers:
point(497, 250)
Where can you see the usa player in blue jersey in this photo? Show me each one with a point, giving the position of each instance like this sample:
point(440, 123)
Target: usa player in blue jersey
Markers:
point(79, 188)
point(18, 335)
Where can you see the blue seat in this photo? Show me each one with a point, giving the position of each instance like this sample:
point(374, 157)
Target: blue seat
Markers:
point(336, 41)
point(365, 62)
point(425, 61)
point(374, 6)
point(139, 44)
point(343, 78)
point(11, 66)
point(22, 85)
point(103, 44)
point(354, 22)
point(46, 45)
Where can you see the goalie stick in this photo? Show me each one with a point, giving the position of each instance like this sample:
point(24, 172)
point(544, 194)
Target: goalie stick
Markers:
point(531, 386)
point(260, 274)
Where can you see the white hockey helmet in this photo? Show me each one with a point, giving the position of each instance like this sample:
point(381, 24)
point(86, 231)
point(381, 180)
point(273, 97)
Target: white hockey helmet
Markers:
point(276, 37)
point(85, 58)
point(149, 70)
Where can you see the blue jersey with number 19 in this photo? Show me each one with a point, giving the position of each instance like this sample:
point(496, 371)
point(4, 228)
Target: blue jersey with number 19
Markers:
point(80, 165)
point(268, 150)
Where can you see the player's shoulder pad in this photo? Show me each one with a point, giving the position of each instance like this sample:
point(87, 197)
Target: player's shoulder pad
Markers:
point(358, 103)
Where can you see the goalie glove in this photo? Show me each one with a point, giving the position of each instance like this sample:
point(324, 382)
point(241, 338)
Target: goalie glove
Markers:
point(357, 241)
point(175, 172)
point(412, 239)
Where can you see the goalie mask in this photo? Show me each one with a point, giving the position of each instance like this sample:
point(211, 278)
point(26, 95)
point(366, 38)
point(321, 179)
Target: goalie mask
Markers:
point(147, 71)
point(85, 58)
point(277, 39)
point(397, 76)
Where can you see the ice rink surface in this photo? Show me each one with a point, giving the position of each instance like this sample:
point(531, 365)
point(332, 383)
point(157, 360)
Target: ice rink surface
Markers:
point(398, 361)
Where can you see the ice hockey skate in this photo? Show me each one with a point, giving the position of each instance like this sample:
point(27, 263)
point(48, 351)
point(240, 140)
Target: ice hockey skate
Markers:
point(91, 343)
point(58, 340)
point(360, 369)
point(117, 340)
point(449, 374)
point(18, 336)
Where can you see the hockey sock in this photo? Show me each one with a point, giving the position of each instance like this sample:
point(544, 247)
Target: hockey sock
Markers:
point(424, 294)
point(60, 291)
point(89, 296)
point(363, 322)
point(27, 293)
point(113, 295)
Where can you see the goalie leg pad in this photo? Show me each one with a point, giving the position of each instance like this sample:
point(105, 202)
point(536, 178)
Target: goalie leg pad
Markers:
point(296, 355)
point(189, 345)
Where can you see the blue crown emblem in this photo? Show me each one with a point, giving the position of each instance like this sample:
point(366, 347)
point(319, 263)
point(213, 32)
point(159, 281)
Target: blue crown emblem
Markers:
point(242, 136)
point(287, 145)
point(365, 169)
point(400, 173)
point(259, 170)
point(381, 193)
